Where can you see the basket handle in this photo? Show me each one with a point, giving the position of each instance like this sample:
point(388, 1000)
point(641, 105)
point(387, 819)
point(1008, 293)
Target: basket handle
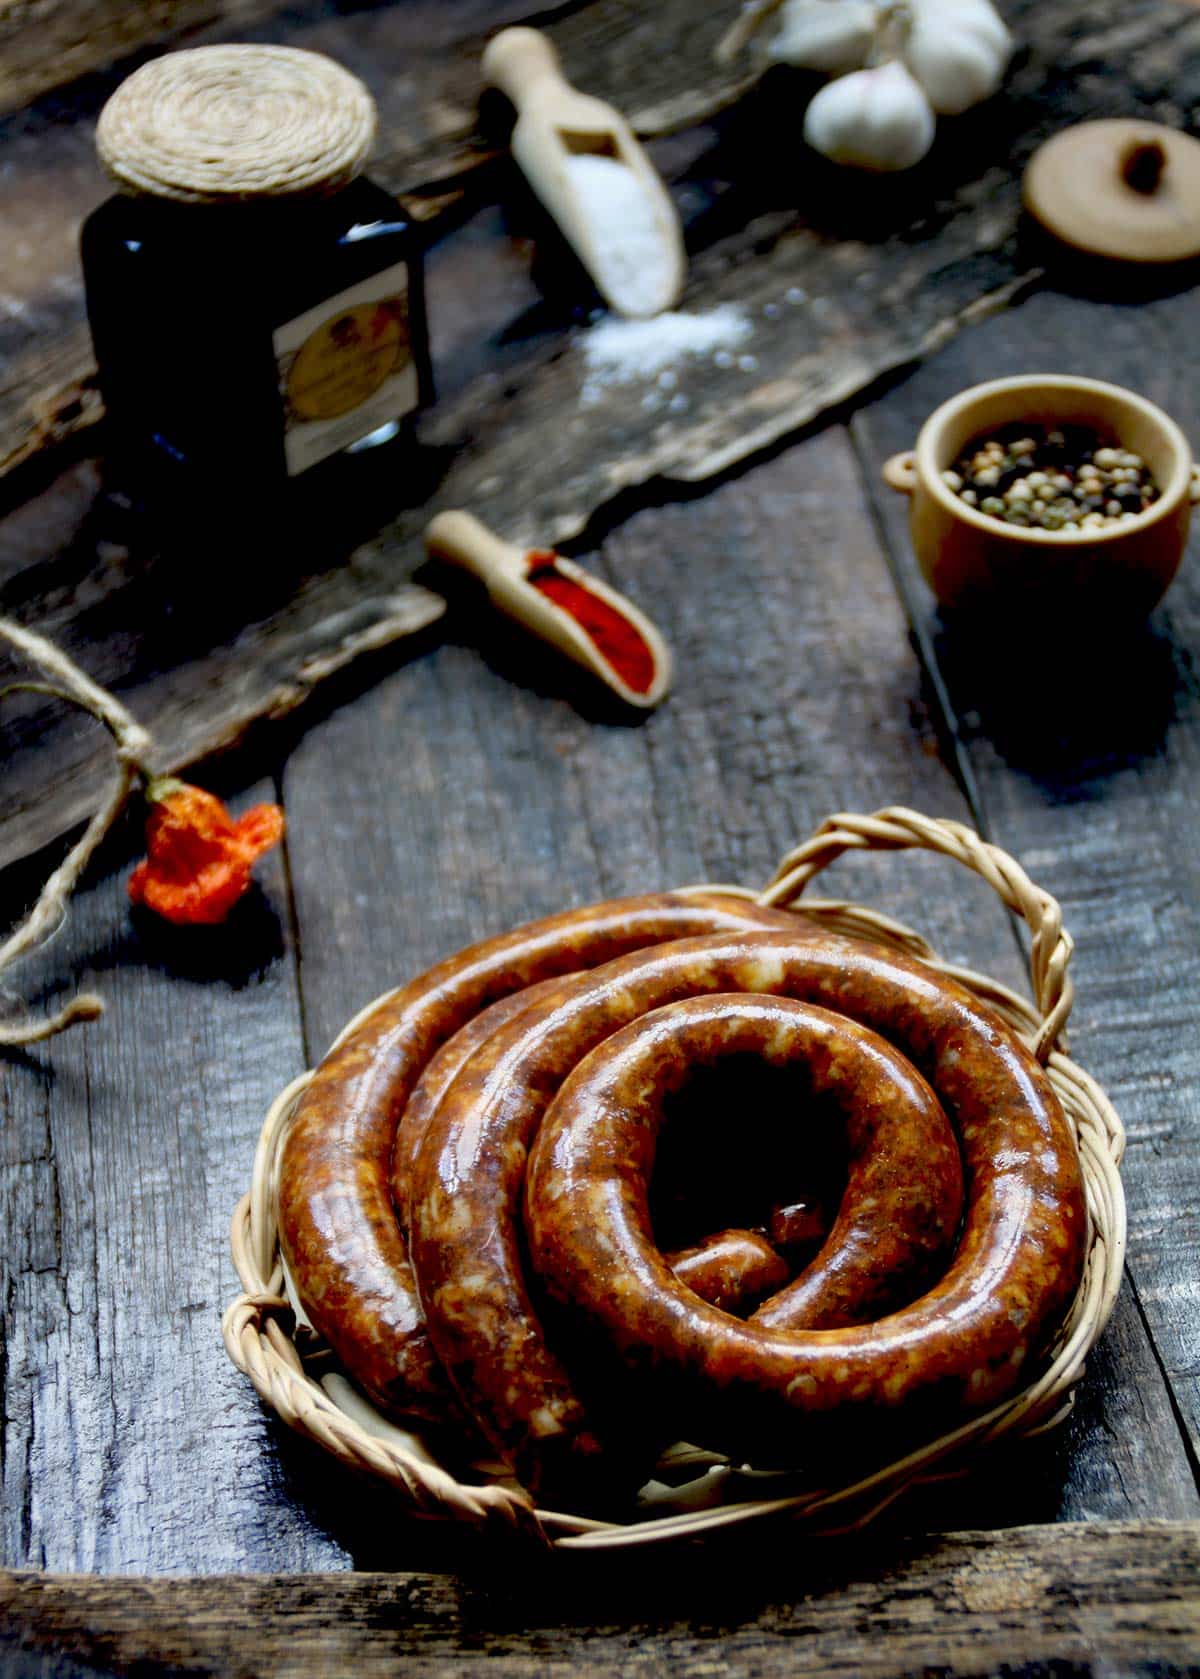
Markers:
point(899, 829)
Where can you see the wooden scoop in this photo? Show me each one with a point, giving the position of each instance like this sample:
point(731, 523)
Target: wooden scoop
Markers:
point(555, 123)
point(577, 613)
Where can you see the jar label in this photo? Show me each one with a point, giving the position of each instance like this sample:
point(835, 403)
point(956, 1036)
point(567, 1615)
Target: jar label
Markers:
point(345, 368)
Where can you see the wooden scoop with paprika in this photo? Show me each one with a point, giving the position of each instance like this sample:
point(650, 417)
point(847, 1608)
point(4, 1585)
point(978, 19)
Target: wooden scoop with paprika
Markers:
point(557, 600)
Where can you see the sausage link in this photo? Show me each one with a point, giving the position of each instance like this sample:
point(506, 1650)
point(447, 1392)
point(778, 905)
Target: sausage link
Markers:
point(730, 1269)
point(960, 1347)
point(799, 1224)
point(343, 1242)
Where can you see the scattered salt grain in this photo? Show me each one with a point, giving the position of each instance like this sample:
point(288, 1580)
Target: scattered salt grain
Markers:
point(634, 254)
point(618, 352)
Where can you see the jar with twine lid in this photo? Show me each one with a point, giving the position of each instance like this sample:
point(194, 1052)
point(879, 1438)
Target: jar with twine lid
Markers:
point(256, 304)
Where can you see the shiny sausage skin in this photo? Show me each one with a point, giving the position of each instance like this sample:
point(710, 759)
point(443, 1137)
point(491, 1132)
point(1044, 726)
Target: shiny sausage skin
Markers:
point(960, 1347)
point(730, 1269)
point(903, 1194)
point(344, 1247)
point(800, 1224)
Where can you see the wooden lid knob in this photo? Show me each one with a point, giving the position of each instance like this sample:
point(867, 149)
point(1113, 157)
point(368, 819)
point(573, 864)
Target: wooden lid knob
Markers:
point(1121, 189)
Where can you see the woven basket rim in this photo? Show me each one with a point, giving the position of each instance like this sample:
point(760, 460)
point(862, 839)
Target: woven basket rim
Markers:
point(269, 1339)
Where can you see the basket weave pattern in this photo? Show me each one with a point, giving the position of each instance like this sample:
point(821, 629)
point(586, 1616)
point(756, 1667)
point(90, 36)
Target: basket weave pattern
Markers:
point(268, 1338)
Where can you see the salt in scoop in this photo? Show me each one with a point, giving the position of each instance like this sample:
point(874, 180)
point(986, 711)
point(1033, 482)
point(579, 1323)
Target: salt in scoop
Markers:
point(557, 600)
point(581, 159)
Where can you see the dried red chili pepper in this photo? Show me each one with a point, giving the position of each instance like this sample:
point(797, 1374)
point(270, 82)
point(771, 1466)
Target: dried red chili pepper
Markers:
point(619, 641)
point(199, 857)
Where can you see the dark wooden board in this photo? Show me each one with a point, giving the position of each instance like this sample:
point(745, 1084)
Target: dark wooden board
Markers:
point(51, 42)
point(461, 794)
point(198, 653)
point(462, 801)
point(1105, 1599)
point(123, 1150)
point(128, 1440)
point(1085, 757)
point(878, 277)
point(472, 788)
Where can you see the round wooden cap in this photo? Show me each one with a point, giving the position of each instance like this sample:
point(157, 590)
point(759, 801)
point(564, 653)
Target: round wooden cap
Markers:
point(1119, 188)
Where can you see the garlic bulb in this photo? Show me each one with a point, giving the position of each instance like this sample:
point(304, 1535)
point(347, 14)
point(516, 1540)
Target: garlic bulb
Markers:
point(829, 35)
point(874, 119)
point(958, 50)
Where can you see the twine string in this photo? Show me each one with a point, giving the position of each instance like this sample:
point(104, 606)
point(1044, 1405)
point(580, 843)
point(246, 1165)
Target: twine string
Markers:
point(133, 746)
point(228, 124)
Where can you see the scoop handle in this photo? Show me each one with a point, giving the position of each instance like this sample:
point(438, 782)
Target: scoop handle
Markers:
point(465, 541)
point(516, 60)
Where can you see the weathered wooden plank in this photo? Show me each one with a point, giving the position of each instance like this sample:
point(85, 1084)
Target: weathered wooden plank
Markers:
point(201, 654)
point(1102, 1598)
point(504, 789)
point(1087, 756)
point(49, 42)
point(469, 803)
point(203, 648)
point(122, 1150)
point(454, 801)
point(888, 270)
point(524, 448)
point(421, 60)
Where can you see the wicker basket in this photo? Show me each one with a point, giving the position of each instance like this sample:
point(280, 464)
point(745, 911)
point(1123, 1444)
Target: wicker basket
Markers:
point(269, 1339)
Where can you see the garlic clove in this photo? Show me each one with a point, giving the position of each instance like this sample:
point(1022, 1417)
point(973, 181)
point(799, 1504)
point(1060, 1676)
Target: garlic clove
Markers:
point(877, 119)
point(829, 35)
point(958, 50)
point(980, 15)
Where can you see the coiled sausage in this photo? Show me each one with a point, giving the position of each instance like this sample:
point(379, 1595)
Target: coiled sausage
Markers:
point(958, 1349)
point(342, 1238)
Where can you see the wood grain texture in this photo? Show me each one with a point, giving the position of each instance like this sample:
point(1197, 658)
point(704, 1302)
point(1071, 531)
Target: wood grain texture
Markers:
point(199, 647)
point(123, 1150)
point(483, 783)
point(1103, 1599)
point(1088, 763)
point(44, 43)
point(460, 801)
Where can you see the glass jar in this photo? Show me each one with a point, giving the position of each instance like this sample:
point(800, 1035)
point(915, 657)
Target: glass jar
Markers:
point(256, 305)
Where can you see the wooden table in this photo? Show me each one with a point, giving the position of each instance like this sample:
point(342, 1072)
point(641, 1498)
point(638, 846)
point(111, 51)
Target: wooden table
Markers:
point(467, 786)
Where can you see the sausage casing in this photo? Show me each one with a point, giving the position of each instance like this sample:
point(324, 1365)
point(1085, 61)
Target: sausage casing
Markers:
point(961, 1345)
point(342, 1238)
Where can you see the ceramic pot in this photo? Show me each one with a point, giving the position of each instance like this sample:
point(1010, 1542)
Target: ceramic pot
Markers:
point(970, 559)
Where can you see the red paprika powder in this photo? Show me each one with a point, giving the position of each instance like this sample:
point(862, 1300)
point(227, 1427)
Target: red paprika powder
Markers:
point(621, 643)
